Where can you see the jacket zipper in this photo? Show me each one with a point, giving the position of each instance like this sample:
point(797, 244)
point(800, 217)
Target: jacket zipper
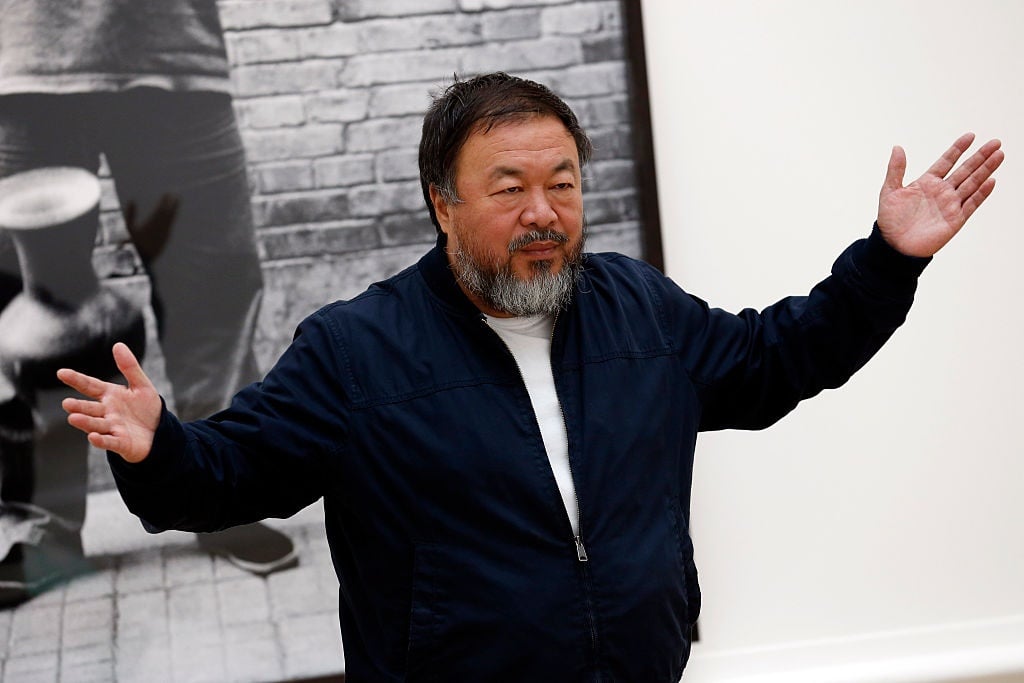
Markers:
point(581, 551)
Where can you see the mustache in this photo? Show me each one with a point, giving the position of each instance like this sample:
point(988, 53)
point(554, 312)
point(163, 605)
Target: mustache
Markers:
point(529, 238)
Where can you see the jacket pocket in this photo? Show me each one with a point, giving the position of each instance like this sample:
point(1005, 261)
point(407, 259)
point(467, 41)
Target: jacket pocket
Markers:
point(478, 611)
point(424, 614)
point(684, 547)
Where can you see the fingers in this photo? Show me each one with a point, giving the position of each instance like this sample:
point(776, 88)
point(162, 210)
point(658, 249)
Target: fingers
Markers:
point(944, 163)
point(129, 366)
point(90, 417)
point(89, 425)
point(77, 405)
point(975, 200)
point(976, 160)
point(95, 388)
point(87, 416)
point(973, 173)
point(895, 171)
point(105, 442)
point(83, 384)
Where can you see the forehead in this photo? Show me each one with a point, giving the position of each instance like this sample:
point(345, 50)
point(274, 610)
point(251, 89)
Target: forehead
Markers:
point(527, 142)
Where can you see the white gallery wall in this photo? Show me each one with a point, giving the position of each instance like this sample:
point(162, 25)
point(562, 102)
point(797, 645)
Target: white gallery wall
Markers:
point(876, 534)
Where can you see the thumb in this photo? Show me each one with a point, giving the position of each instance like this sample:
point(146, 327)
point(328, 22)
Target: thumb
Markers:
point(129, 366)
point(895, 171)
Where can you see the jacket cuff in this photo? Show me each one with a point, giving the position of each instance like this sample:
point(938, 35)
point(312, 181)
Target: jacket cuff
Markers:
point(168, 443)
point(891, 261)
point(883, 269)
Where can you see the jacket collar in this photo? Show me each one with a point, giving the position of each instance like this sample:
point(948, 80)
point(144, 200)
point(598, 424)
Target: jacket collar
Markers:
point(440, 279)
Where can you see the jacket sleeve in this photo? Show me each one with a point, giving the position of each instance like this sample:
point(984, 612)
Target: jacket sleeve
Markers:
point(752, 368)
point(268, 455)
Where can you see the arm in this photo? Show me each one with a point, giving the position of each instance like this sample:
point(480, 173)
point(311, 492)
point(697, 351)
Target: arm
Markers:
point(751, 369)
point(264, 456)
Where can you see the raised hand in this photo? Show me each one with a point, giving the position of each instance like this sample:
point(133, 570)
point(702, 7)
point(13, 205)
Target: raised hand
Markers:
point(920, 218)
point(119, 418)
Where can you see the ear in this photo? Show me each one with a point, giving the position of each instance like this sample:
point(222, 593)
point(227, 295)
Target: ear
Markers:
point(441, 209)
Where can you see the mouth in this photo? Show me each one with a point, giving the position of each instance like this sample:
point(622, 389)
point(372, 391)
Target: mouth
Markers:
point(541, 249)
point(539, 245)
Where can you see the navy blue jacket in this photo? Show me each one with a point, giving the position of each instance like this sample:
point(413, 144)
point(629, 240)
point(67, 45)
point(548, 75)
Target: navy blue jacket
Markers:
point(456, 560)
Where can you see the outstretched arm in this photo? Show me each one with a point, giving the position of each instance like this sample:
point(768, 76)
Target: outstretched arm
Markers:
point(119, 418)
point(920, 218)
point(756, 366)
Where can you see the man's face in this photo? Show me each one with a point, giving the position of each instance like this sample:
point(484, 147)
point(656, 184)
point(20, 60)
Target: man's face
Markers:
point(516, 235)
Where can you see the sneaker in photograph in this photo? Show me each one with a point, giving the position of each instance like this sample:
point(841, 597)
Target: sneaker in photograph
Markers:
point(255, 548)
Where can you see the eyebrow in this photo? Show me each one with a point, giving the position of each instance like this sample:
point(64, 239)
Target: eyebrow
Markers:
point(566, 164)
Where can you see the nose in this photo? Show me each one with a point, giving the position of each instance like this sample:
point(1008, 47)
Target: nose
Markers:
point(538, 212)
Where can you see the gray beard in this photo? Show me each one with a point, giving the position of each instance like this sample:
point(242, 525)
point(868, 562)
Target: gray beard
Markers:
point(500, 289)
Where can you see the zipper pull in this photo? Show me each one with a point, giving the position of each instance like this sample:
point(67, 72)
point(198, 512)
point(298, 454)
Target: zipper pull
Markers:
point(581, 552)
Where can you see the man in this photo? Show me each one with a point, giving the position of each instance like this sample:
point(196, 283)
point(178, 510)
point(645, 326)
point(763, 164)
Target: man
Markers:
point(503, 433)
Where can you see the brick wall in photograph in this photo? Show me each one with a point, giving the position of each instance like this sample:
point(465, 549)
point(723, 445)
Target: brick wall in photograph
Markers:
point(330, 96)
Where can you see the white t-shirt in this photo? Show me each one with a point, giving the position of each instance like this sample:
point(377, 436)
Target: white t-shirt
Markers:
point(529, 340)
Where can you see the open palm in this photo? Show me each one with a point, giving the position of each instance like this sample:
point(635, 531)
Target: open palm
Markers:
point(119, 418)
point(920, 218)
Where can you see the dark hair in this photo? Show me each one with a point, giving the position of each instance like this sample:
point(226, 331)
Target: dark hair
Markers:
point(483, 102)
